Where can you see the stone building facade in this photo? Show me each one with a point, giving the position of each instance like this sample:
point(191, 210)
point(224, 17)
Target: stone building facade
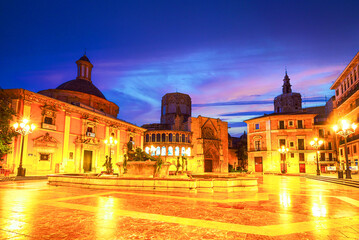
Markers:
point(203, 141)
point(294, 131)
point(346, 106)
point(294, 128)
point(72, 122)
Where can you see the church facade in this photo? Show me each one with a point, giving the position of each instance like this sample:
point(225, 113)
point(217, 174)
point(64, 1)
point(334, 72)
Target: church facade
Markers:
point(202, 141)
point(73, 121)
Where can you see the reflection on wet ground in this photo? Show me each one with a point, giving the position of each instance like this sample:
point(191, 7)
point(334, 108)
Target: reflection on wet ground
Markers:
point(285, 207)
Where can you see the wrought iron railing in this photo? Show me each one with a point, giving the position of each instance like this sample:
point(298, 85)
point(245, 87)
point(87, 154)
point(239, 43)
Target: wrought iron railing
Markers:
point(349, 139)
point(348, 94)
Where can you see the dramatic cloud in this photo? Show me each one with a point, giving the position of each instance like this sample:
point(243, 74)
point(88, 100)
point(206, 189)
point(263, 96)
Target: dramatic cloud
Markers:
point(231, 63)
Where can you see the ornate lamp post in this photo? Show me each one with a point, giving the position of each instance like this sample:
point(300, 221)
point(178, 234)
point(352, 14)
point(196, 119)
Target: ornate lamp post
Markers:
point(110, 142)
point(23, 128)
point(283, 151)
point(344, 130)
point(316, 143)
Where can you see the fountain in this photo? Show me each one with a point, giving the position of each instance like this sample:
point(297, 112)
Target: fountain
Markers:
point(140, 171)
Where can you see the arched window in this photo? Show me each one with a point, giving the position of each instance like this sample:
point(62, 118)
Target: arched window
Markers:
point(158, 137)
point(163, 137)
point(183, 151)
point(177, 137)
point(163, 151)
point(147, 150)
point(158, 151)
point(188, 138)
point(170, 137)
point(147, 138)
point(208, 133)
point(177, 151)
point(153, 138)
point(188, 152)
point(183, 138)
point(170, 151)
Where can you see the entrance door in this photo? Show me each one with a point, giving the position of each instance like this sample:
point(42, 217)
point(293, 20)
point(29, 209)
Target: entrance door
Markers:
point(301, 167)
point(208, 165)
point(87, 161)
point(258, 164)
point(322, 168)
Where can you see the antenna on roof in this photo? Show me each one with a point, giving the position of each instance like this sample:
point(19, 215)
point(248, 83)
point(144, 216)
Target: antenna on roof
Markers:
point(85, 52)
point(286, 70)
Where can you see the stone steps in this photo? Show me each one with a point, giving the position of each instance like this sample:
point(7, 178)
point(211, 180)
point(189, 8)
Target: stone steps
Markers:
point(346, 182)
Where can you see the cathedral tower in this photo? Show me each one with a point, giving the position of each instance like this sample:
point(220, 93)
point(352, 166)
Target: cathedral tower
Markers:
point(287, 101)
point(176, 108)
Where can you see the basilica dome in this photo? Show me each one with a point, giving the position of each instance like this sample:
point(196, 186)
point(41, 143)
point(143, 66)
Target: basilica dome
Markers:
point(81, 85)
point(82, 92)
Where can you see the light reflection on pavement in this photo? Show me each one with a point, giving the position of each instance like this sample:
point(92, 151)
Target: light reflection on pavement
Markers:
point(285, 207)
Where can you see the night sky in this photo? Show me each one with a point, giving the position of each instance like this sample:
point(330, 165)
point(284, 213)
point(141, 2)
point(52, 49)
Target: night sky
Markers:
point(229, 56)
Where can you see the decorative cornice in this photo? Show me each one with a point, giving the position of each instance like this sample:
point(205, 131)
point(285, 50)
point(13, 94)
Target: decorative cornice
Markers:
point(39, 98)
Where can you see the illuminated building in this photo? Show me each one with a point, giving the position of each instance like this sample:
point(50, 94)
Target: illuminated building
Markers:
point(345, 106)
point(203, 141)
point(72, 122)
point(292, 127)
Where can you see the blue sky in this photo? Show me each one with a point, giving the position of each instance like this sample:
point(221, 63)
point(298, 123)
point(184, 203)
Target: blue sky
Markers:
point(229, 56)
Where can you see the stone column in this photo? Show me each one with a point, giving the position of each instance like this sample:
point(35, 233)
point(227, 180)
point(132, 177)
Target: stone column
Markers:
point(65, 147)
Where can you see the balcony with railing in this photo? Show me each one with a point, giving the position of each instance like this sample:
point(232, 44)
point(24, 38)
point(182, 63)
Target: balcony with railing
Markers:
point(347, 95)
point(349, 139)
point(257, 149)
point(328, 160)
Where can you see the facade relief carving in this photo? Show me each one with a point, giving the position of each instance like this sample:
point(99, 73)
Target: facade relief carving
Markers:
point(46, 141)
point(87, 140)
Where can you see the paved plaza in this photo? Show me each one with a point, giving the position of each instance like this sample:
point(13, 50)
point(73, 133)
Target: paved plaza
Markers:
point(286, 207)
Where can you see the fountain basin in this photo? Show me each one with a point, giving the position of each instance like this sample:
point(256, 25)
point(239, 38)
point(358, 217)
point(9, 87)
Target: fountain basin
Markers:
point(158, 184)
point(144, 169)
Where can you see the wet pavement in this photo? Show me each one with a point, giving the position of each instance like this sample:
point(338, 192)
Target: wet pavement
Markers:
point(285, 207)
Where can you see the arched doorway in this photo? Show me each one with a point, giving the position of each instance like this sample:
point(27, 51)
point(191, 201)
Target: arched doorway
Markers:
point(211, 161)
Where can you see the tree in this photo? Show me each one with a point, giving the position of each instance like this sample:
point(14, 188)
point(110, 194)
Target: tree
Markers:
point(6, 131)
point(242, 153)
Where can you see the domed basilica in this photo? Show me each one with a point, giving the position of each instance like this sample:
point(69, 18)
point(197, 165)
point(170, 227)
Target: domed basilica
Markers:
point(73, 121)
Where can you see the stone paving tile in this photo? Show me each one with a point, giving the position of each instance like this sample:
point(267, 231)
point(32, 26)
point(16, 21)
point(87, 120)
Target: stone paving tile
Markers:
point(35, 210)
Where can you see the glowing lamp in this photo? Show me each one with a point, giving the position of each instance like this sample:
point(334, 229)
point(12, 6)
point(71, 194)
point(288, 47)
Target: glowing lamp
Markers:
point(344, 130)
point(23, 128)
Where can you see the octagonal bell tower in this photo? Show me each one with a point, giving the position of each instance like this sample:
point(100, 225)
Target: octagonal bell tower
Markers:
point(175, 106)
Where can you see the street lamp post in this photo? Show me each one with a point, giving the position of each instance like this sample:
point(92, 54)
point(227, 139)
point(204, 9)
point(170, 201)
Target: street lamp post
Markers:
point(283, 151)
point(344, 130)
point(111, 142)
point(23, 128)
point(316, 143)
